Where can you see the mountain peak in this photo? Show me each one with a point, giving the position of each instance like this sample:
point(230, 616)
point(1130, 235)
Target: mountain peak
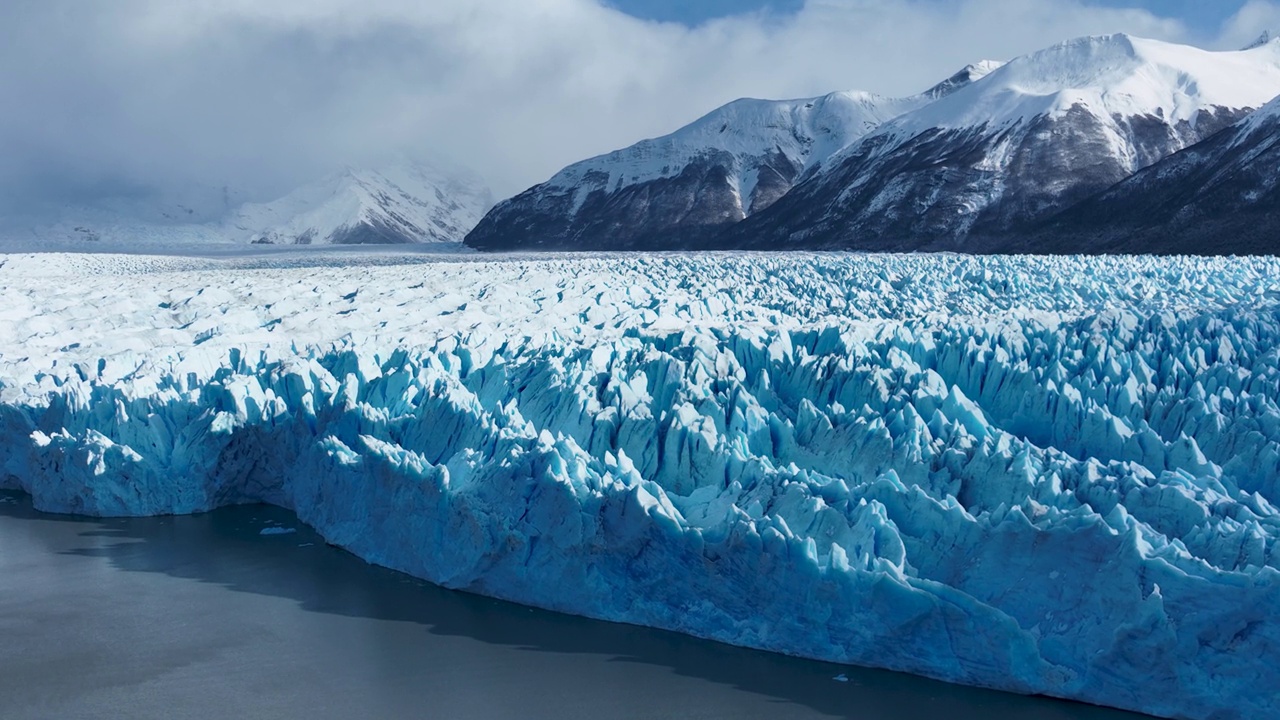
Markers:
point(982, 68)
point(1107, 75)
point(970, 74)
point(989, 150)
point(1268, 37)
point(1041, 133)
point(406, 201)
point(1264, 118)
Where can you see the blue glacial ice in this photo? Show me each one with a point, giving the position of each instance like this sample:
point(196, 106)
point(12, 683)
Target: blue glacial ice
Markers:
point(1053, 476)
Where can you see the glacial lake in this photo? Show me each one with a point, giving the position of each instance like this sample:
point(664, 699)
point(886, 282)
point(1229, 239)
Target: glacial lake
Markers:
point(208, 617)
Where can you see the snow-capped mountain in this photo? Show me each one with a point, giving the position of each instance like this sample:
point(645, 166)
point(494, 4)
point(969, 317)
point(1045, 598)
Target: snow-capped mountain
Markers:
point(1038, 135)
point(404, 202)
point(1221, 196)
point(399, 204)
point(682, 188)
point(189, 214)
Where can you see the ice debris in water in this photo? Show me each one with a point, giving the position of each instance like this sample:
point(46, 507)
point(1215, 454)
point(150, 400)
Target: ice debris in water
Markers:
point(1045, 475)
point(277, 531)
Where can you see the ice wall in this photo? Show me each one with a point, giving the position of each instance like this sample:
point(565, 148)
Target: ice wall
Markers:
point(1077, 500)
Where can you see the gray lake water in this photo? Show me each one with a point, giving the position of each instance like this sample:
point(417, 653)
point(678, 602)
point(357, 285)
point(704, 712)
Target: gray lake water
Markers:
point(206, 617)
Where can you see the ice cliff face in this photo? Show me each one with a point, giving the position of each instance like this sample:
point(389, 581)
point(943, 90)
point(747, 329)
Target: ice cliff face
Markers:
point(681, 189)
point(1050, 476)
point(974, 170)
point(1221, 196)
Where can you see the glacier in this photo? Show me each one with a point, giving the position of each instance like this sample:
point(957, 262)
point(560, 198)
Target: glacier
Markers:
point(1051, 475)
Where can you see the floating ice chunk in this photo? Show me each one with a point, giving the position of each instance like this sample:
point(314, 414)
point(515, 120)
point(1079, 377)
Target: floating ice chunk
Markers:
point(277, 531)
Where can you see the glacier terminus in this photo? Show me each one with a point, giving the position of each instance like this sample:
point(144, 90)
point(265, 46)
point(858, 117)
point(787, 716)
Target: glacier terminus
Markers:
point(1054, 475)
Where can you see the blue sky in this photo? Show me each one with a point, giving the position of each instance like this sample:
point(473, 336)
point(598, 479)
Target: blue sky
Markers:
point(1201, 16)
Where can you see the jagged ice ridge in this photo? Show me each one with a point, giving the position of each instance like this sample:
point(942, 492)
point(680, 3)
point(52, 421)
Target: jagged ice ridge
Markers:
point(1045, 475)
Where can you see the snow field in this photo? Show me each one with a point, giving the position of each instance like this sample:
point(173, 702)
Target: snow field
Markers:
point(1046, 475)
point(1114, 76)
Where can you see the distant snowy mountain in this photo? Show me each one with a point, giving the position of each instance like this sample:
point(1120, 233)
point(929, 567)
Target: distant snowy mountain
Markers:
point(1221, 196)
point(1034, 137)
point(682, 188)
point(183, 215)
point(405, 202)
point(400, 204)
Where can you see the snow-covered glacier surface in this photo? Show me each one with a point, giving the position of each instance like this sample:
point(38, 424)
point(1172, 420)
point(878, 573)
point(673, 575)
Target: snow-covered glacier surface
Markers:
point(1047, 475)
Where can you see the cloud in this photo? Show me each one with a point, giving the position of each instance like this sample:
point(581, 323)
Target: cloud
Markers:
point(105, 97)
point(1247, 25)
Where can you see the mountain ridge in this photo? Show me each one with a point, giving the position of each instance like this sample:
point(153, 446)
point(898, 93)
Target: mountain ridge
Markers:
point(401, 202)
point(682, 188)
point(1221, 196)
point(996, 150)
point(1038, 135)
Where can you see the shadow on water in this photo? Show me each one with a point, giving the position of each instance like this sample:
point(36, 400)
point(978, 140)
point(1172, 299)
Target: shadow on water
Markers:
point(227, 548)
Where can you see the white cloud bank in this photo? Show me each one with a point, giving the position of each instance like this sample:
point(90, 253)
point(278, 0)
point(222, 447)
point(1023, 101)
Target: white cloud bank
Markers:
point(262, 94)
point(1251, 21)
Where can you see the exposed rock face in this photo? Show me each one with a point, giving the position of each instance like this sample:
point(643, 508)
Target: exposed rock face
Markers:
point(977, 164)
point(685, 210)
point(1220, 197)
point(976, 171)
point(682, 190)
point(971, 190)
